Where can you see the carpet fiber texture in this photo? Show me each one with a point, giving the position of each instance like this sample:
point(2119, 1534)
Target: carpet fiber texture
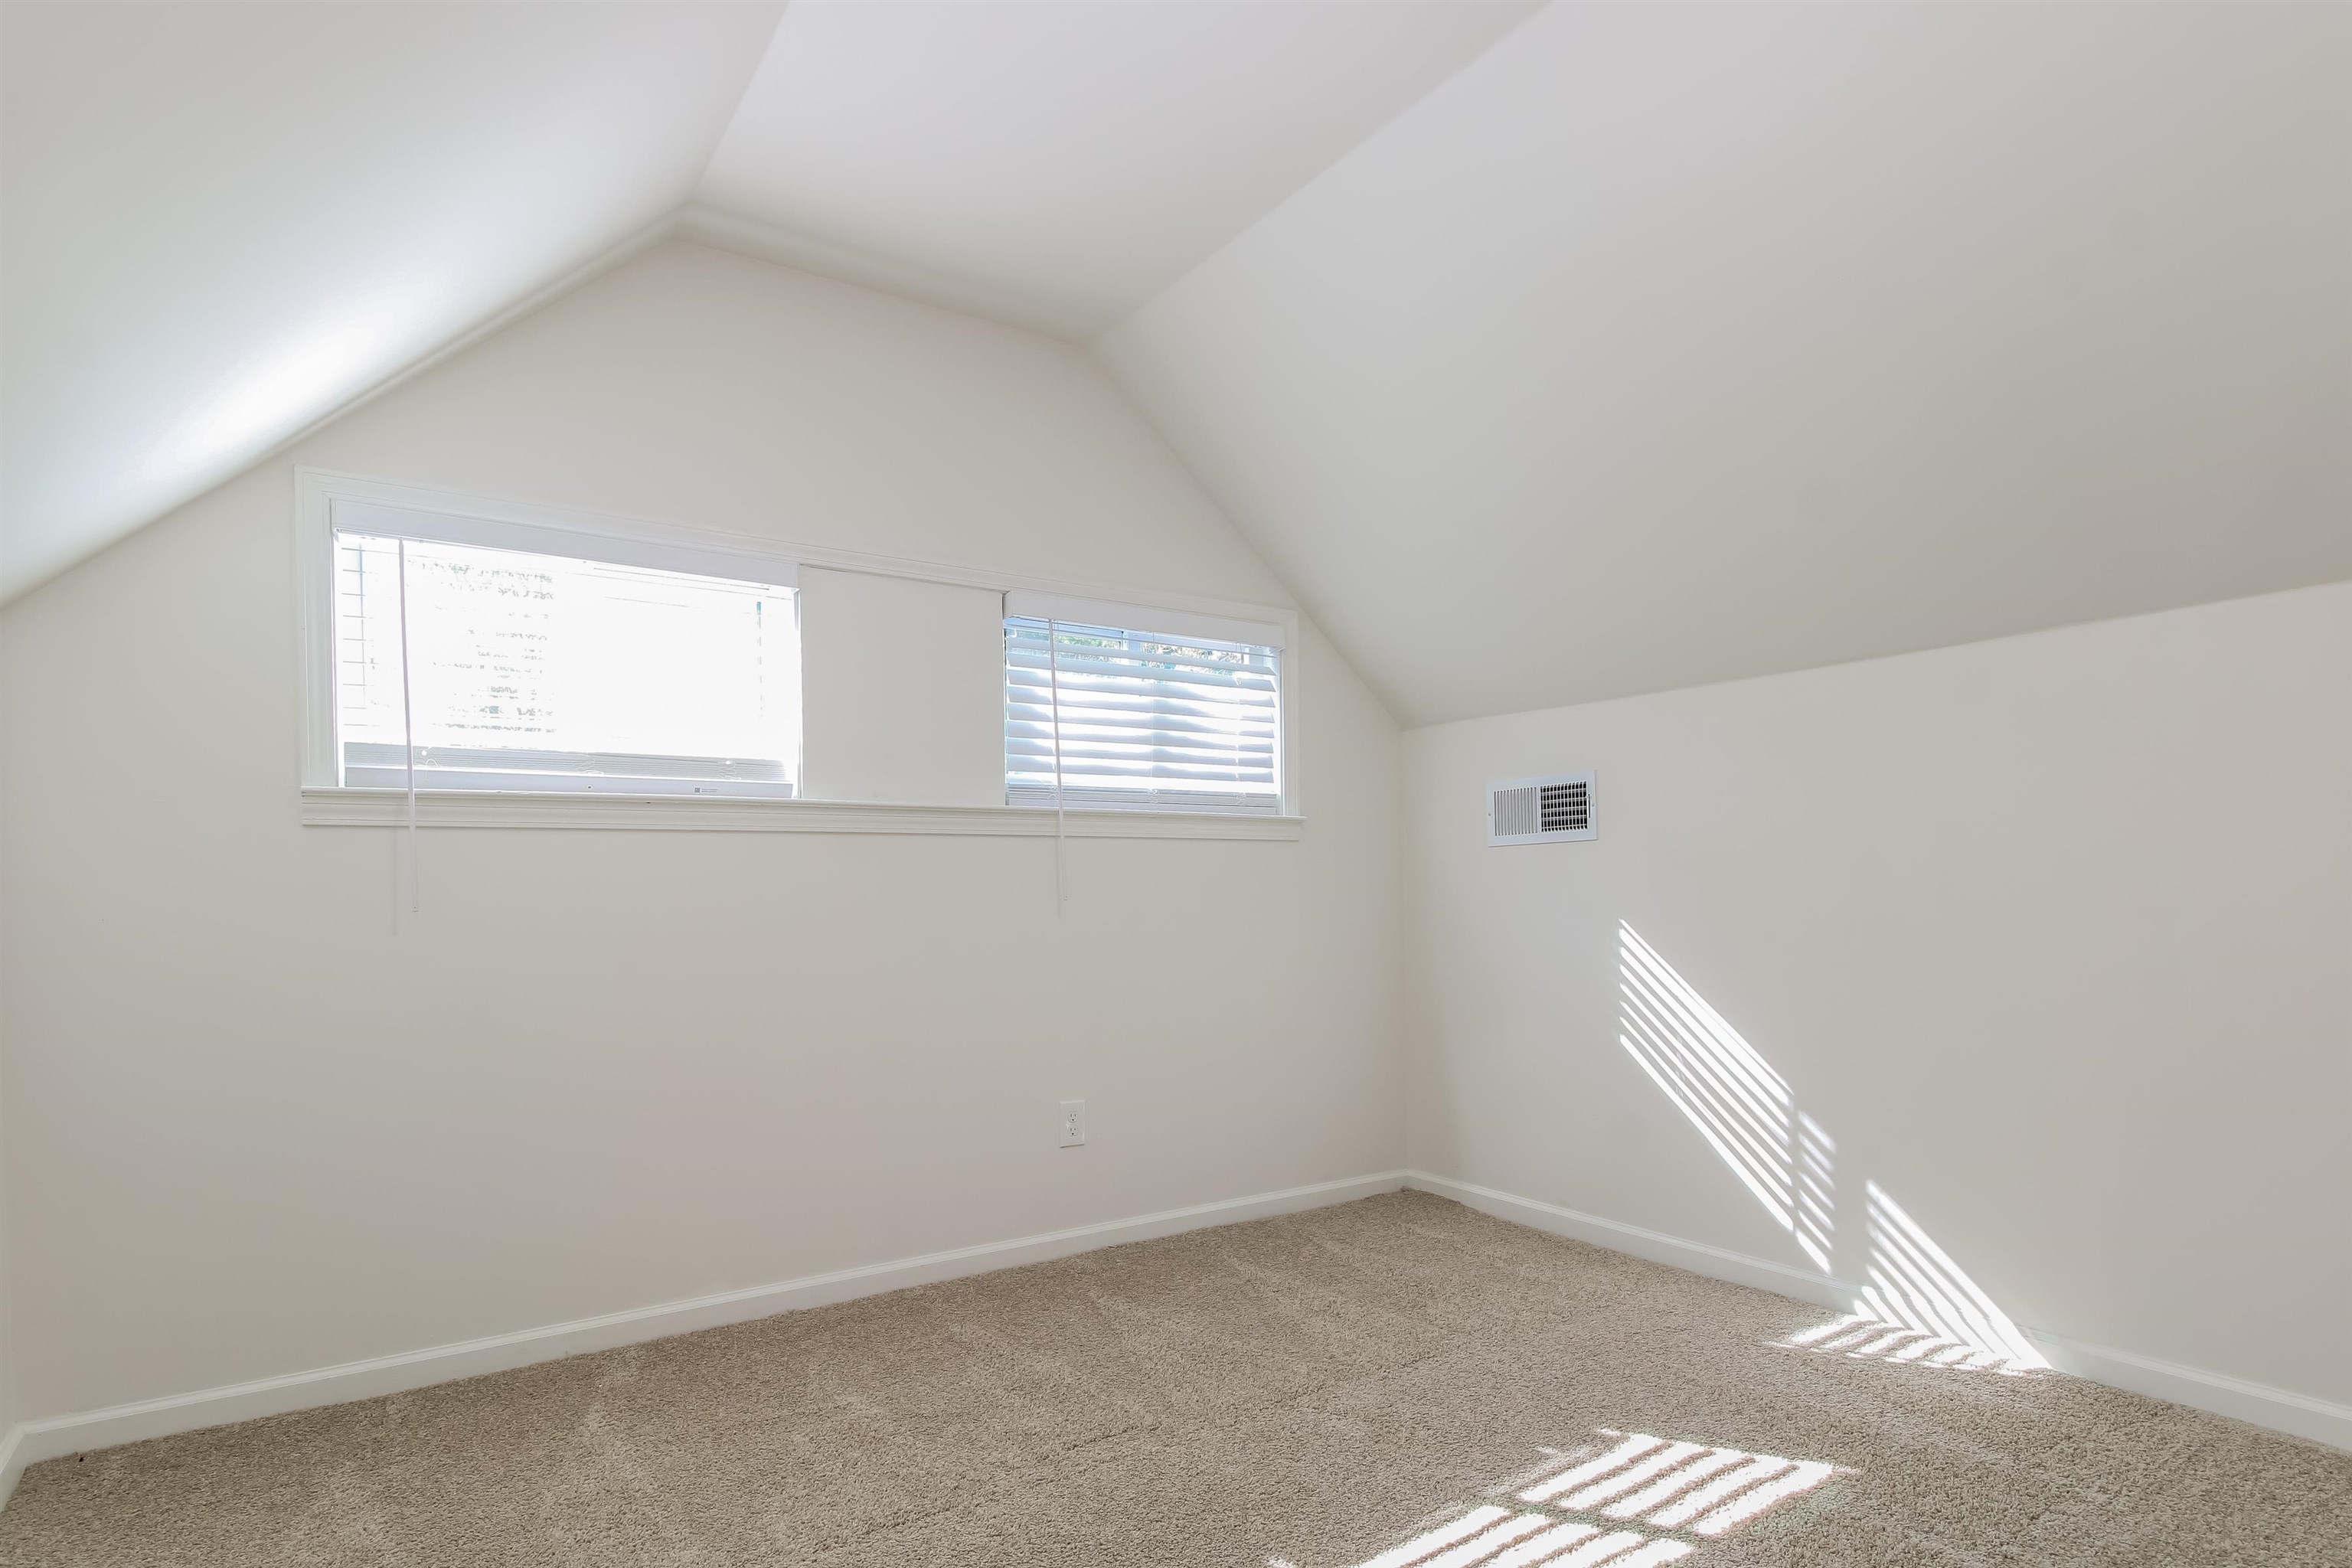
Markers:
point(1398, 1380)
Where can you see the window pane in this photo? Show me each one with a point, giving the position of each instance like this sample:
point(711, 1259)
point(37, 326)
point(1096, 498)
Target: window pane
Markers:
point(1144, 723)
point(534, 671)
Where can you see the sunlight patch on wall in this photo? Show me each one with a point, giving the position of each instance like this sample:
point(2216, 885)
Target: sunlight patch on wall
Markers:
point(1723, 1085)
point(1643, 1501)
point(1913, 1281)
point(1920, 1307)
point(1917, 1307)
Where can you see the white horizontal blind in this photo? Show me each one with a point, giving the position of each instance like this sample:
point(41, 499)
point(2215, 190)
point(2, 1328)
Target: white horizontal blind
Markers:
point(1147, 722)
point(543, 672)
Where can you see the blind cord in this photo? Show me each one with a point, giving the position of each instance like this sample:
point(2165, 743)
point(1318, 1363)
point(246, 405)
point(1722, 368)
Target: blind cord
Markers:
point(407, 728)
point(1054, 681)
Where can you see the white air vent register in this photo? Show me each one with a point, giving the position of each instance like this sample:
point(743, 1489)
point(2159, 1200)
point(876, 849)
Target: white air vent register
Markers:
point(1556, 807)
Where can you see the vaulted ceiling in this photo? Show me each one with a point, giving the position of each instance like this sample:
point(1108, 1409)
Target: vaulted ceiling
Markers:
point(1059, 164)
point(225, 221)
point(1668, 344)
point(1549, 353)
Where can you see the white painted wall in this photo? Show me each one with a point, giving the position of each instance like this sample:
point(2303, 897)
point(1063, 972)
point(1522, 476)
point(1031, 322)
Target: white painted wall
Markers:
point(252, 1128)
point(2051, 934)
point(902, 690)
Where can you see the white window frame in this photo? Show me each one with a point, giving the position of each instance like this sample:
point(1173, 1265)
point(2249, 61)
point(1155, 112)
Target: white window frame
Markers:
point(326, 502)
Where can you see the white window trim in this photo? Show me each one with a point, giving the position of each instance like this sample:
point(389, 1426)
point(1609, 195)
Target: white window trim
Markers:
point(337, 807)
point(327, 804)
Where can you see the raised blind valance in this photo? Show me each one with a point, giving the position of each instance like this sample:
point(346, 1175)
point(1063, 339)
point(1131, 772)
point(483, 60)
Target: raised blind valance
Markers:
point(1179, 624)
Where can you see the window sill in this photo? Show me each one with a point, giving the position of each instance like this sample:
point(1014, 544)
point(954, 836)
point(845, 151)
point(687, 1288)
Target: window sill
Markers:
point(330, 807)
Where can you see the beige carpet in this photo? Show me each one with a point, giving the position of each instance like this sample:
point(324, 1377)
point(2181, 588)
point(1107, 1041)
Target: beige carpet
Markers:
point(1392, 1376)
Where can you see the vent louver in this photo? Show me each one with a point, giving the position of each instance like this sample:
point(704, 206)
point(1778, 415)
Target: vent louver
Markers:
point(1557, 807)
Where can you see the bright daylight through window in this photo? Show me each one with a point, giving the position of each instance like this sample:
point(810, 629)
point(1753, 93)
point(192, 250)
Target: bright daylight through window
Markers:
point(522, 672)
point(1098, 716)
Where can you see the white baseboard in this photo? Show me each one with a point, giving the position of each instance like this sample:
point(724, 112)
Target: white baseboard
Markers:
point(1697, 1258)
point(2297, 1414)
point(2276, 1408)
point(30, 1442)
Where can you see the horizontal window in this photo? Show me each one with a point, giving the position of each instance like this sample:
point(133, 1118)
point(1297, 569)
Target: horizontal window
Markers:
point(1114, 713)
point(516, 663)
point(494, 668)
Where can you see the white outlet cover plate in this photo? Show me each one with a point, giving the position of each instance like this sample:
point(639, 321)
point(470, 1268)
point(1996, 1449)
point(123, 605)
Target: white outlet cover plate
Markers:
point(1071, 1123)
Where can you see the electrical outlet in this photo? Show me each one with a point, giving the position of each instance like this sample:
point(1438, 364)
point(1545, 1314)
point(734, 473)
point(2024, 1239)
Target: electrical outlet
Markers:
point(1073, 1124)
